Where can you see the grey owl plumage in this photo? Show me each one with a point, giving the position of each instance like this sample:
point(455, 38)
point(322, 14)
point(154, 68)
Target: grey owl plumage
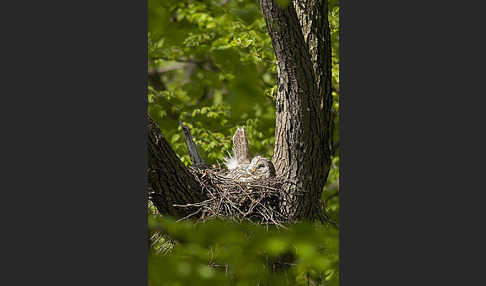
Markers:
point(240, 167)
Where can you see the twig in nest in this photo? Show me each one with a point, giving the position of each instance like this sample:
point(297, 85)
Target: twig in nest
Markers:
point(257, 201)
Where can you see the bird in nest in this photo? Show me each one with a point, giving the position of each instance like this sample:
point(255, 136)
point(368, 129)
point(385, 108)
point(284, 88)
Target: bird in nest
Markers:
point(241, 168)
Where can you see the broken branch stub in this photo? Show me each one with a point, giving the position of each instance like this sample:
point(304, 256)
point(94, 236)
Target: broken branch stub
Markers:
point(196, 159)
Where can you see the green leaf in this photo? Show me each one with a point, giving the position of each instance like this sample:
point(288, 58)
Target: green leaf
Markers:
point(283, 3)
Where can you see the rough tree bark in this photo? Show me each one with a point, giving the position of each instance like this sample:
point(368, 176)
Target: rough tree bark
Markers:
point(169, 182)
point(301, 41)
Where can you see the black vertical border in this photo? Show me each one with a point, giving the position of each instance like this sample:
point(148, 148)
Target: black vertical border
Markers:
point(74, 142)
point(412, 147)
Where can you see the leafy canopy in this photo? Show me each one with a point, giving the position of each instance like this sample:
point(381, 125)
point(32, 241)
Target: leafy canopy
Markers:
point(215, 252)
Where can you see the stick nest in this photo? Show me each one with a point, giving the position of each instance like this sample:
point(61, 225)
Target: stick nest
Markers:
point(257, 201)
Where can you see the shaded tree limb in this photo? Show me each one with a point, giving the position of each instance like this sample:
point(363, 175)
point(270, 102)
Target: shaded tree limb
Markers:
point(301, 41)
point(196, 159)
point(169, 181)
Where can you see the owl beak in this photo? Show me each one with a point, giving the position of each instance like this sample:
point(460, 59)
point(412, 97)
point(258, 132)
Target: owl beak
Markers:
point(252, 171)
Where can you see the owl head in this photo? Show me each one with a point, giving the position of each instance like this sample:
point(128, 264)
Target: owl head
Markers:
point(261, 168)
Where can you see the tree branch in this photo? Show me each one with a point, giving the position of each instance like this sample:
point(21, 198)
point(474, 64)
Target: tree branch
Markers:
point(302, 133)
point(169, 181)
point(196, 159)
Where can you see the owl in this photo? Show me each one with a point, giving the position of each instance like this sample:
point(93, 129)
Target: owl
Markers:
point(240, 167)
point(261, 168)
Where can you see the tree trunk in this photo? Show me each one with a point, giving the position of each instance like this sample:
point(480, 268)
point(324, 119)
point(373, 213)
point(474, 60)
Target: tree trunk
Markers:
point(169, 182)
point(301, 41)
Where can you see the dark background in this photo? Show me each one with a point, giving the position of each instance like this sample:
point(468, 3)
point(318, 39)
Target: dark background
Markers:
point(74, 143)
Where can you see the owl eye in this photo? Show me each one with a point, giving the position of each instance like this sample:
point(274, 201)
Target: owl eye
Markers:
point(260, 166)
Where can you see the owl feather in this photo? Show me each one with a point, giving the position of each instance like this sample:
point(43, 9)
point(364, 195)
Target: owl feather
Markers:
point(231, 162)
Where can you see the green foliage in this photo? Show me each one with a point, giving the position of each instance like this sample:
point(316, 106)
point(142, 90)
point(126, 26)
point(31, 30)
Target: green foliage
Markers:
point(228, 253)
point(331, 190)
point(283, 3)
point(223, 76)
point(212, 66)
